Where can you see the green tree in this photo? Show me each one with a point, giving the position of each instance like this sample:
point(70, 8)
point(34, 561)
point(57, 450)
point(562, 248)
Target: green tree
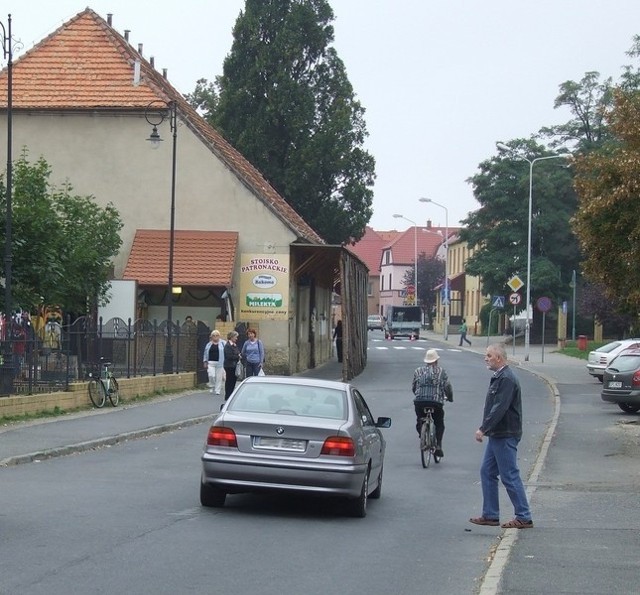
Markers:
point(498, 230)
point(63, 244)
point(204, 98)
point(588, 101)
point(607, 222)
point(285, 102)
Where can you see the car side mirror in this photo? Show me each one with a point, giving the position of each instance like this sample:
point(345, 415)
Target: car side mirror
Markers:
point(383, 422)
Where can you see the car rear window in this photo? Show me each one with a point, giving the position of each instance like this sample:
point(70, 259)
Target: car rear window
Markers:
point(609, 347)
point(290, 399)
point(626, 362)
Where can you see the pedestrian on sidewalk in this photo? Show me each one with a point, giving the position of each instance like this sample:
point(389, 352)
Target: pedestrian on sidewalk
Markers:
point(463, 333)
point(431, 387)
point(252, 353)
point(337, 336)
point(214, 361)
point(231, 358)
point(502, 425)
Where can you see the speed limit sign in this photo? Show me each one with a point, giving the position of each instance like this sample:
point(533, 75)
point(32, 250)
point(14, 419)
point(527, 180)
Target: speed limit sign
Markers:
point(514, 298)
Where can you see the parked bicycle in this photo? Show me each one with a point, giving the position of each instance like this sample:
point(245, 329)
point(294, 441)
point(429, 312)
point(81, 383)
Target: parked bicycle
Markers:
point(428, 444)
point(103, 385)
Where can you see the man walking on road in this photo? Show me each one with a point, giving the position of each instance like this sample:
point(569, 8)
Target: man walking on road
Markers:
point(502, 424)
point(463, 333)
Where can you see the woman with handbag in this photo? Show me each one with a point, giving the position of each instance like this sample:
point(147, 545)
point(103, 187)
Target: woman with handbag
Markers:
point(231, 360)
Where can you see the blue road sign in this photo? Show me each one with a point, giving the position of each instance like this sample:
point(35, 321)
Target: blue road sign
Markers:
point(497, 301)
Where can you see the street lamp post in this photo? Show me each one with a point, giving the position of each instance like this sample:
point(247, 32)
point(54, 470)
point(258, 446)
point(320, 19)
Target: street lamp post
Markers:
point(573, 306)
point(532, 162)
point(155, 118)
point(7, 380)
point(447, 296)
point(415, 255)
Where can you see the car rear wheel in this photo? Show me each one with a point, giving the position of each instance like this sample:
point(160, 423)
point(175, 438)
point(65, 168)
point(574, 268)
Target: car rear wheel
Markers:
point(211, 497)
point(629, 408)
point(358, 506)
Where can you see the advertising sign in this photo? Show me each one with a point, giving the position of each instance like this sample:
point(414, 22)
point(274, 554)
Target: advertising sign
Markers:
point(264, 286)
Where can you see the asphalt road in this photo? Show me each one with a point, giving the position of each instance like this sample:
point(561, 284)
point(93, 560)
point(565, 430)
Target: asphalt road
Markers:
point(126, 518)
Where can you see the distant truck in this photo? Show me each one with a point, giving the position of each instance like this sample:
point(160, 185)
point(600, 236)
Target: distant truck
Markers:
point(403, 321)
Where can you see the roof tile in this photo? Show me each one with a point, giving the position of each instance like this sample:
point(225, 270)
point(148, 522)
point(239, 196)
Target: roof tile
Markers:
point(201, 258)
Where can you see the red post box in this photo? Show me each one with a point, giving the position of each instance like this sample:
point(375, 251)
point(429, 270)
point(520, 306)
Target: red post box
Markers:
point(582, 342)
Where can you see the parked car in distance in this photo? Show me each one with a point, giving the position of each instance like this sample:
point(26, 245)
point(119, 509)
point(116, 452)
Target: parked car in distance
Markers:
point(291, 434)
point(375, 322)
point(600, 358)
point(621, 381)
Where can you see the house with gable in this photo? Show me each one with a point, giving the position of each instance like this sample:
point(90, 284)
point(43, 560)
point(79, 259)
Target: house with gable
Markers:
point(85, 100)
point(399, 255)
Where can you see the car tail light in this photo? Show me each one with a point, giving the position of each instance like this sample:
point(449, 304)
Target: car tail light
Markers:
point(339, 446)
point(635, 381)
point(221, 436)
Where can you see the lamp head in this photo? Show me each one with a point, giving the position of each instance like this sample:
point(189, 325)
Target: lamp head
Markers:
point(396, 216)
point(154, 138)
point(425, 200)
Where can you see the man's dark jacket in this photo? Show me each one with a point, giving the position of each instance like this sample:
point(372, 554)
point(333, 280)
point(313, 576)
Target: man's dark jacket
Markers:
point(503, 406)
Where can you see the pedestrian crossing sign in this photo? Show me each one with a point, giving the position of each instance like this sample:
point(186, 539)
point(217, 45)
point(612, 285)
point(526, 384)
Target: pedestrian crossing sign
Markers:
point(497, 301)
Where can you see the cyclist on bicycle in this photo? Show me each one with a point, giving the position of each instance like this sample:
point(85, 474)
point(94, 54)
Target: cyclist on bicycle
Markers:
point(431, 386)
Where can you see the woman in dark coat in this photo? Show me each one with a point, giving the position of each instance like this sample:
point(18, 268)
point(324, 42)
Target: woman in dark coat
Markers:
point(231, 358)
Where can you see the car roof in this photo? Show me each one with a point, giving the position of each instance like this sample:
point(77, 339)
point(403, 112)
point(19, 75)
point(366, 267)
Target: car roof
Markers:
point(630, 351)
point(616, 345)
point(297, 381)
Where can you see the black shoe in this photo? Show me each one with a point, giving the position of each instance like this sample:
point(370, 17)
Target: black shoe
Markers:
point(438, 453)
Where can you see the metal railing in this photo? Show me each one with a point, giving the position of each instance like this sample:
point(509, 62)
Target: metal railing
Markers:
point(49, 358)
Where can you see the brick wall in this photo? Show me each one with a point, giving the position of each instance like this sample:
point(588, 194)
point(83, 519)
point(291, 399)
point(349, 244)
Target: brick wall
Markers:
point(78, 395)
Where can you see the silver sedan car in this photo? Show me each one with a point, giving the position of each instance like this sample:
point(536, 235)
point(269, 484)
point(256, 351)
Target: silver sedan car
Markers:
point(282, 433)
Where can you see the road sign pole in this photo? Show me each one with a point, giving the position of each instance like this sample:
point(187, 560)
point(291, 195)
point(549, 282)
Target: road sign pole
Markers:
point(544, 315)
point(513, 328)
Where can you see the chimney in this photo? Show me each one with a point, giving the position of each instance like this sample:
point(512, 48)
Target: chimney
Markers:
point(164, 73)
point(126, 34)
point(140, 49)
point(109, 18)
point(428, 223)
point(152, 61)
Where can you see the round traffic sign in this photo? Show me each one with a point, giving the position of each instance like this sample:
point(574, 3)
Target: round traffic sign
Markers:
point(514, 298)
point(543, 304)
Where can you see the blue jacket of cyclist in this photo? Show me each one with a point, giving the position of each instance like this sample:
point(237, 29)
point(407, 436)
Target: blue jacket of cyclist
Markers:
point(431, 388)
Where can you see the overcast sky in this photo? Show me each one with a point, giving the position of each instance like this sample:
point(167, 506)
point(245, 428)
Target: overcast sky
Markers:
point(441, 81)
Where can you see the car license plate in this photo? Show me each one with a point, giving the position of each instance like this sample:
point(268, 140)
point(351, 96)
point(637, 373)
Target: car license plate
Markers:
point(279, 444)
point(615, 385)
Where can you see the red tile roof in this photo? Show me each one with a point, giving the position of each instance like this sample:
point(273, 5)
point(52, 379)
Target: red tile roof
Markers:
point(201, 258)
point(404, 245)
point(87, 65)
point(369, 249)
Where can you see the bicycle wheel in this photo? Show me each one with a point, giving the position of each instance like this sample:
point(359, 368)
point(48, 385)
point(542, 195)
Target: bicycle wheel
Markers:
point(432, 441)
point(96, 392)
point(425, 448)
point(114, 390)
